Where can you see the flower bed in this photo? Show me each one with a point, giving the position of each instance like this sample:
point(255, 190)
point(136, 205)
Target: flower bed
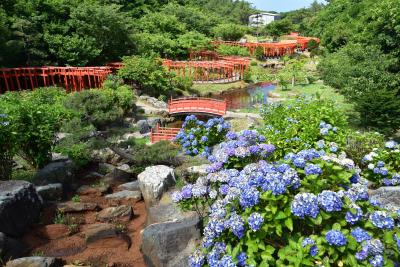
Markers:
point(306, 208)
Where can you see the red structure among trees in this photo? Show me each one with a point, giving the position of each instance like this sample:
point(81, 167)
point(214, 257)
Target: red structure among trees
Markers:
point(285, 47)
point(71, 78)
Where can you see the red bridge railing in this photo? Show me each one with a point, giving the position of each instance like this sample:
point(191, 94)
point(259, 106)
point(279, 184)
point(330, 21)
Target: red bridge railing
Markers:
point(163, 134)
point(197, 105)
point(71, 78)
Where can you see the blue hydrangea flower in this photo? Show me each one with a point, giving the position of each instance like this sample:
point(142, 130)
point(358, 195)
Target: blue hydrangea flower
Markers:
point(375, 247)
point(362, 254)
point(391, 144)
point(242, 257)
point(236, 224)
point(382, 220)
point(299, 162)
point(196, 259)
point(249, 197)
point(255, 221)
point(312, 169)
point(186, 191)
point(336, 238)
point(376, 261)
point(360, 235)
point(227, 261)
point(353, 217)
point(305, 204)
point(329, 201)
point(313, 247)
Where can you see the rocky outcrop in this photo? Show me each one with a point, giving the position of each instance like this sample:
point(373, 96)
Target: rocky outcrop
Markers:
point(50, 191)
point(388, 197)
point(199, 170)
point(153, 102)
point(171, 236)
point(35, 262)
point(20, 207)
point(11, 248)
point(56, 172)
point(154, 181)
point(121, 213)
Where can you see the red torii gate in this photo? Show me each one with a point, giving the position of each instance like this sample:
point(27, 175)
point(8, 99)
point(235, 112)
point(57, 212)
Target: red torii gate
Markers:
point(71, 78)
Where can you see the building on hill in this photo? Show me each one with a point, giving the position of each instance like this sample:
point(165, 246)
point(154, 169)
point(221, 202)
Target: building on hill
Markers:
point(262, 19)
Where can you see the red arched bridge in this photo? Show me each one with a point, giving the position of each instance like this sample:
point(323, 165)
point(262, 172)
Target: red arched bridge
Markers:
point(188, 105)
point(197, 105)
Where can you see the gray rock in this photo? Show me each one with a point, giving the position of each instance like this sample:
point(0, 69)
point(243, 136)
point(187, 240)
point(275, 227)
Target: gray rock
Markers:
point(388, 197)
point(58, 157)
point(125, 168)
point(170, 243)
point(57, 172)
point(153, 122)
point(35, 262)
point(200, 170)
point(124, 196)
point(96, 175)
point(50, 191)
point(120, 213)
point(104, 235)
point(143, 126)
point(106, 168)
point(77, 206)
point(10, 248)
point(117, 177)
point(103, 155)
point(97, 190)
point(167, 212)
point(132, 186)
point(154, 181)
point(20, 207)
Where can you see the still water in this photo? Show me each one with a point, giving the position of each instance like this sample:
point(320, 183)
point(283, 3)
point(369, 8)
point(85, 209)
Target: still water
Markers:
point(247, 97)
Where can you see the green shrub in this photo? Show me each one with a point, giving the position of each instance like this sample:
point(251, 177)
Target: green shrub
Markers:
point(229, 50)
point(36, 116)
point(299, 124)
point(7, 146)
point(229, 31)
point(359, 144)
point(101, 107)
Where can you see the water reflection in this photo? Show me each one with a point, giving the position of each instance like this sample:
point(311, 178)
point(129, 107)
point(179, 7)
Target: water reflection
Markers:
point(247, 97)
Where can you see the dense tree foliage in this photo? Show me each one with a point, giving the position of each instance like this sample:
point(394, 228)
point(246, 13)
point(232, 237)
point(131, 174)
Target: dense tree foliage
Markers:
point(362, 38)
point(93, 32)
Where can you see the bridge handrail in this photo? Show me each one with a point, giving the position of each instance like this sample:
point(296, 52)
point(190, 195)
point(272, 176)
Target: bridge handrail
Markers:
point(195, 98)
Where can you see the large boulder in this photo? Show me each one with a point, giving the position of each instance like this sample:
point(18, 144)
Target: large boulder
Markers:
point(11, 248)
point(154, 181)
point(50, 191)
point(117, 177)
point(143, 126)
point(20, 206)
point(57, 172)
point(171, 236)
point(35, 262)
point(388, 197)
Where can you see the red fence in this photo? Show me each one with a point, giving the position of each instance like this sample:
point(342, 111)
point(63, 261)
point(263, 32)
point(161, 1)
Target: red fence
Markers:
point(197, 105)
point(163, 134)
point(71, 78)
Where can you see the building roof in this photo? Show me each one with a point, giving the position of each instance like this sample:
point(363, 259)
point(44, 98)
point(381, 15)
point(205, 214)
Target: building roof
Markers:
point(266, 13)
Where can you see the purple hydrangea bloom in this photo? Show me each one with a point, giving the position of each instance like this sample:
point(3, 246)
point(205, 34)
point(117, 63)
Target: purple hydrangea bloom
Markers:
point(336, 238)
point(391, 144)
point(305, 204)
point(362, 254)
point(299, 162)
point(186, 191)
point(249, 197)
point(236, 224)
point(376, 261)
point(330, 201)
point(255, 221)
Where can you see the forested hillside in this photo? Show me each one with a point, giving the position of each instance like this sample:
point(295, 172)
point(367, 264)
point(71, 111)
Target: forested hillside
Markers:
point(75, 32)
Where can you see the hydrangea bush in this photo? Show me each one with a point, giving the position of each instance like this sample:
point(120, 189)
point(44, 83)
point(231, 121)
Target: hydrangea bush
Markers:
point(309, 208)
point(383, 164)
point(198, 137)
point(302, 123)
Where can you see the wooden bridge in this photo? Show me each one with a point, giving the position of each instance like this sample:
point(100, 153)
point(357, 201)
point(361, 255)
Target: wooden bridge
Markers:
point(188, 105)
point(71, 78)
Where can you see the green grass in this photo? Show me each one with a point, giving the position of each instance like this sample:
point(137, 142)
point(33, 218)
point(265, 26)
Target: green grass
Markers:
point(207, 89)
point(325, 92)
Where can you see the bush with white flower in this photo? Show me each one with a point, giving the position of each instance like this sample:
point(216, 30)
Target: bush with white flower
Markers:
point(198, 137)
point(382, 166)
point(308, 208)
